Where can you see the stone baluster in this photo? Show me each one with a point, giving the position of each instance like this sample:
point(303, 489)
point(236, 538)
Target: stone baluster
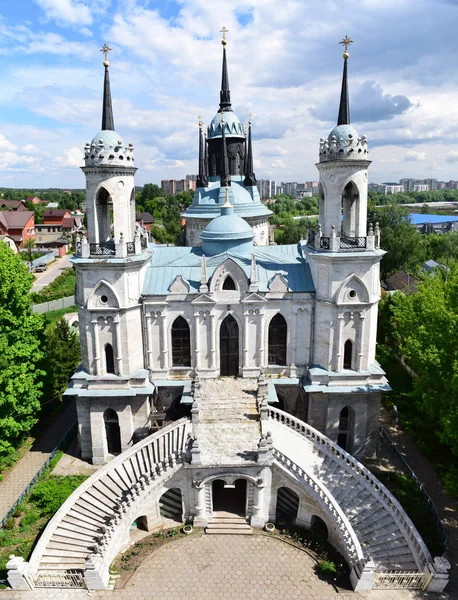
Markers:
point(97, 357)
point(164, 352)
point(118, 347)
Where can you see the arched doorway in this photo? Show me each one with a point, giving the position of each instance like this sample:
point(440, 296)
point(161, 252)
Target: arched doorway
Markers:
point(181, 343)
point(229, 497)
point(346, 426)
point(287, 505)
point(109, 358)
point(112, 431)
point(229, 347)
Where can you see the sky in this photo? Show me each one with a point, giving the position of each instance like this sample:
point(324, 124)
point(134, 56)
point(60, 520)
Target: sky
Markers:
point(285, 68)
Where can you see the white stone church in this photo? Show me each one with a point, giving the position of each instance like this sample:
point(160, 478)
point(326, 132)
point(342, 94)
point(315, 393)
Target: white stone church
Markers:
point(229, 381)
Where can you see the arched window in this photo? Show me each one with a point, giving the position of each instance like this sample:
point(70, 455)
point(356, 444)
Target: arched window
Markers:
point(112, 431)
point(345, 433)
point(181, 343)
point(350, 199)
point(278, 331)
point(348, 348)
point(104, 210)
point(229, 284)
point(109, 358)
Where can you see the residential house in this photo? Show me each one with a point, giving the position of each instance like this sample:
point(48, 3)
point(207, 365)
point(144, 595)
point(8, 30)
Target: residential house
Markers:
point(57, 227)
point(9, 242)
point(145, 220)
point(12, 205)
point(18, 225)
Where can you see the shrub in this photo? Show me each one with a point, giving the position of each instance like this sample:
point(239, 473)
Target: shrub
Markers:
point(50, 494)
point(326, 568)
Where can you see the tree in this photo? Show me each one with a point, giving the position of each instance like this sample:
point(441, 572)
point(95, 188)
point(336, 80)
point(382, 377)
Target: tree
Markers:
point(20, 352)
point(149, 192)
point(424, 328)
point(62, 357)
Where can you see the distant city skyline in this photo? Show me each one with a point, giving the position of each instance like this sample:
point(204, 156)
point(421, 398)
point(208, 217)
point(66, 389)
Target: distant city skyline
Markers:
point(284, 68)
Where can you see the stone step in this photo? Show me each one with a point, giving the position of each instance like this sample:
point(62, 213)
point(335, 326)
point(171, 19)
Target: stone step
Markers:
point(50, 567)
point(71, 531)
point(392, 553)
point(64, 554)
point(228, 525)
point(85, 526)
point(47, 560)
point(230, 531)
point(62, 547)
point(397, 563)
point(67, 540)
point(395, 539)
point(88, 513)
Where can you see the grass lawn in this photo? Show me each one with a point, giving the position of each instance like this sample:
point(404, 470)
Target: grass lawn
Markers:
point(53, 316)
point(61, 287)
point(22, 529)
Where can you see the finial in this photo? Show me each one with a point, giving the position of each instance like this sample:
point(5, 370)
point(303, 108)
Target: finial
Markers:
point(249, 118)
point(346, 42)
point(201, 124)
point(224, 30)
point(105, 49)
point(227, 204)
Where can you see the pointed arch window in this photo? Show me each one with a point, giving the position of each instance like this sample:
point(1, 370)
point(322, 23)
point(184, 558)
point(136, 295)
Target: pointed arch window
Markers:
point(278, 332)
point(109, 358)
point(229, 284)
point(346, 428)
point(181, 343)
point(348, 350)
point(112, 431)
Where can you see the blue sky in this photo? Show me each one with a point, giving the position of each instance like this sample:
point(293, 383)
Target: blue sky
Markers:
point(284, 67)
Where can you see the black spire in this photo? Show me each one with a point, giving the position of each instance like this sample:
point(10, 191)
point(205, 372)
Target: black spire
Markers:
point(250, 177)
point(225, 94)
point(344, 108)
point(202, 180)
point(225, 179)
point(107, 113)
point(205, 158)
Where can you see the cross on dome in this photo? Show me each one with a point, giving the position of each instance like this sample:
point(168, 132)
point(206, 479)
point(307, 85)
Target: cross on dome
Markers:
point(224, 30)
point(105, 49)
point(346, 42)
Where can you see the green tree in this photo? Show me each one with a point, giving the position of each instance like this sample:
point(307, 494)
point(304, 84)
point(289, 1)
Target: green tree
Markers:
point(63, 355)
point(424, 329)
point(20, 352)
point(149, 192)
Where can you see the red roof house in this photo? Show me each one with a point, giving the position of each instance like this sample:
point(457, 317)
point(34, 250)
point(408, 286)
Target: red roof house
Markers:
point(18, 225)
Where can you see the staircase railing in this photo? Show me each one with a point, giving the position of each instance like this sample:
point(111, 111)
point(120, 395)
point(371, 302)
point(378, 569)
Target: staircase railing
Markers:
point(325, 499)
point(142, 464)
point(325, 445)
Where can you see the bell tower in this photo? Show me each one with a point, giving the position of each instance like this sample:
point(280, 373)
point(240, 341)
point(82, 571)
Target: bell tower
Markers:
point(344, 256)
point(110, 265)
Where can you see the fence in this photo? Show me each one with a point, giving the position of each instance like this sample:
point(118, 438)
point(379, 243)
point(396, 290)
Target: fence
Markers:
point(66, 438)
point(432, 508)
point(399, 580)
point(42, 260)
point(54, 305)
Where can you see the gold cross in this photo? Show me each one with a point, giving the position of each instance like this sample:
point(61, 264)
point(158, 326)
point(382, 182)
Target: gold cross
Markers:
point(224, 30)
point(346, 42)
point(249, 118)
point(105, 49)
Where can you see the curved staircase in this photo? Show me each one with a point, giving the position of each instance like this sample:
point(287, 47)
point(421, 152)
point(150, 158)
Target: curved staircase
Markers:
point(385, 532)
point(94, 519)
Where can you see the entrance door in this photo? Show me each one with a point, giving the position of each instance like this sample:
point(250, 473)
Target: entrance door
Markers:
point(229, 347)
point(229, 497)
point(112, 431)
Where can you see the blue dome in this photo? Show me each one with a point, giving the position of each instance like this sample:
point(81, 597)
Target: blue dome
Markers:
point(110, 139)
point(232, 126)
point(226, 232)
point(344, 134)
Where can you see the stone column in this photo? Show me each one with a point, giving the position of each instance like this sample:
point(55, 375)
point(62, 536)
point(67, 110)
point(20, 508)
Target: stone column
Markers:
point(164, 349)
point(258, 519)
point(246, 315)
point(200, 520)
point(212, 349)
point(261, 349)
point(16, 573)
point(118, 347)
point(196, 342)
point(359, 351)
point(149, 341)
point(338, 343)
point(291, 343)
point(97, 357)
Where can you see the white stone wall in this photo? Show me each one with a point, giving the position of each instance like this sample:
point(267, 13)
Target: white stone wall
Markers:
point(194, 228)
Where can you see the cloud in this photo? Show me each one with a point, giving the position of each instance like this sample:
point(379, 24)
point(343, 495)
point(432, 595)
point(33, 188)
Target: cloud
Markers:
point(414, 155)
point(67, 12)
point(368, 105)
point(452, 157)
point(73, 157)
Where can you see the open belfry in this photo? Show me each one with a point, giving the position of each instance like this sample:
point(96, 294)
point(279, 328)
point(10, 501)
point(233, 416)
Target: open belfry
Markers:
point(230, 382)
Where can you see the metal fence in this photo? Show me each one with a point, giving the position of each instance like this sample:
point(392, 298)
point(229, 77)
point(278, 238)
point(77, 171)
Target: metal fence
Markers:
point(65, 439)
point(53, 305)
point(400, 580)
point(73, 578)
point(432, 508)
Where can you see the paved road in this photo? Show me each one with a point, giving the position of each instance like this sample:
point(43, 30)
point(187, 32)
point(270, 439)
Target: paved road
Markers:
point(44, 279)
point(223, 567)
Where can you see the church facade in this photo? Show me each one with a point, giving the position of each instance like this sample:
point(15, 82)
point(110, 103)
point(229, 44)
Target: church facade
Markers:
point(229, 374)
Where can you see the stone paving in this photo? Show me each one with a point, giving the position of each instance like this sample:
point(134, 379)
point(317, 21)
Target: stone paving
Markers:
point(228, 567)
point(228, 429)
point(28, 466)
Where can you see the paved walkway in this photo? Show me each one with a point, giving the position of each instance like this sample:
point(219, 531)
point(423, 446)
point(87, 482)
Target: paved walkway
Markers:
point(446, 505)
point(19, 477)
point(223, 567)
